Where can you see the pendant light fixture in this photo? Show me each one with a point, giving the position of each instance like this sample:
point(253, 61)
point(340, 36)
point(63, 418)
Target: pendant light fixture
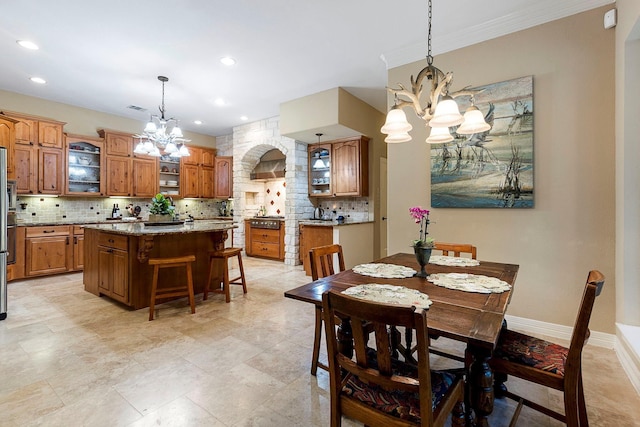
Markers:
point(441, 110)
point(319, 163)
point(163, 134)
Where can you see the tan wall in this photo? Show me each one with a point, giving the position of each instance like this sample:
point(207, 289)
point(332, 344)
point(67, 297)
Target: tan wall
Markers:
point(627, 78)
point(83, 121)
point(571, 229)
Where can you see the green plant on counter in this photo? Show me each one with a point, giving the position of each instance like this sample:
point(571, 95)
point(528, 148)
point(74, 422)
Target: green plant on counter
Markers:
point(161, 205)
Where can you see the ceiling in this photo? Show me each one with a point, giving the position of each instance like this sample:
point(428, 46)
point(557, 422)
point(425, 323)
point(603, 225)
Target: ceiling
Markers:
point(106, 56)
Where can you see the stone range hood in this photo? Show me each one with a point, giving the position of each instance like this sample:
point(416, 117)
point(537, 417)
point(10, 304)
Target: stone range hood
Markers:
point(271, 165)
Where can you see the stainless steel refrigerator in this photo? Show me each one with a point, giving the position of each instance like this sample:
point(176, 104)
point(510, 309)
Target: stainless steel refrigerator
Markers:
point(4, 211)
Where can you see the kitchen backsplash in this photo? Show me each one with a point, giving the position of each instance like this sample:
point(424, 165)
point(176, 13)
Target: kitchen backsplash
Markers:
point(354, 209)
point(38, 209)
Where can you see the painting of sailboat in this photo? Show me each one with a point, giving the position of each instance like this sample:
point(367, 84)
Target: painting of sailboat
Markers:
point(492, 169)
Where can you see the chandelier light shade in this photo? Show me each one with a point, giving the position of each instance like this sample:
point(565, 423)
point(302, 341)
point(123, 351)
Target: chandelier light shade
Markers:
point(162, 135)
point(439, 136)
point(440, 110)
point(473, 122)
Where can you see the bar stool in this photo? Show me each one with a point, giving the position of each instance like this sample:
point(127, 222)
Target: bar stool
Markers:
point(225, 254)
point(177, 291)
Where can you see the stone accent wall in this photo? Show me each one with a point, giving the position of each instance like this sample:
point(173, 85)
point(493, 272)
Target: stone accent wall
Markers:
point(250, 142)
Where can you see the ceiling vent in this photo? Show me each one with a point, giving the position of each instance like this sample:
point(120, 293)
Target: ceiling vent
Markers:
point(135, 107)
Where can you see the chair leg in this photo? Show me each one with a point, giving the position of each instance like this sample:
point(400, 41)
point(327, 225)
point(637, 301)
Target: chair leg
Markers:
point(571, 407)
point(317, 336)
point(227, 293)
point(582, 407)
point(192, 301)
point(154, 288)
point(206, 286)
point(244, 282)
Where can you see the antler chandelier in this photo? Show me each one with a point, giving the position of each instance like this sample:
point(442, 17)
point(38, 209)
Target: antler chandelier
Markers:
point(440, 112)
point(162, 134)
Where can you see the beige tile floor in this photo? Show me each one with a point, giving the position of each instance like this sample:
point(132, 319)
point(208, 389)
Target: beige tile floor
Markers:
point(69, 358)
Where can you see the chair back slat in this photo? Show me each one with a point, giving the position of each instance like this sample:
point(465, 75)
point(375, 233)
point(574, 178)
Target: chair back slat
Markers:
point(322, 264)
point(457, 249)
point(593, 287)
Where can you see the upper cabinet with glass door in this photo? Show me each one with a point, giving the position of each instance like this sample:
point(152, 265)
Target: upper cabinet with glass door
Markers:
point(85, 166)
point(169, 175)
point(320, 170)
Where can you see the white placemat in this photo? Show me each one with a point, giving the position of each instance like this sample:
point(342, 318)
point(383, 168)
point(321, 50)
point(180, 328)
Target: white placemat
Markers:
point(453, 261)
point(469, 282)
point(389, 294)
point(385, 271)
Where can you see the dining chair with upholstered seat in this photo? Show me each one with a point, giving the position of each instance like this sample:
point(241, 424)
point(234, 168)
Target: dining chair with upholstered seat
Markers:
point(322, 265)
point(376, 388)
point(549, 364)
point(456, 249)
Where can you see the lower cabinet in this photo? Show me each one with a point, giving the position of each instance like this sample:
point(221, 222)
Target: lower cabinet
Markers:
point(264, 242)
point(47, 250)
point(310, 237)
point(78, 247)
point(113, 266)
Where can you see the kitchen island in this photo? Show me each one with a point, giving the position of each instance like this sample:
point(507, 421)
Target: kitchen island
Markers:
point(116, 255)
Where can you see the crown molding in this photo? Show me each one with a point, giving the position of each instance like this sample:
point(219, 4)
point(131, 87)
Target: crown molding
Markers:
point(536, 13)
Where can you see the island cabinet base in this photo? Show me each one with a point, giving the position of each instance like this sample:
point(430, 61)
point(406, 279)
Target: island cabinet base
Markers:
point(116, 265)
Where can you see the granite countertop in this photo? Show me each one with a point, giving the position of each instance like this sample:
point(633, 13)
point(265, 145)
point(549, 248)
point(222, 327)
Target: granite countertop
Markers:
point(114, 221)
point(140, 229)
point(332, 223)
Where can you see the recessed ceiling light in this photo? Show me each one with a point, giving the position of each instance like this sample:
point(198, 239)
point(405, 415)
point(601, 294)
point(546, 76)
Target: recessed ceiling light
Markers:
point(27, 44)
point(198, 122)
point(227, 60)
point(38, 80)
point(244, 118)
point(219, 101)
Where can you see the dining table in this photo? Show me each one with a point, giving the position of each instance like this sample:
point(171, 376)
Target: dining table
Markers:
point(475, 318)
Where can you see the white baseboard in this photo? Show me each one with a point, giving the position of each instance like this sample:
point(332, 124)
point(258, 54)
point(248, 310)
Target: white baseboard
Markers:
point(536, 327)
point(627, 351)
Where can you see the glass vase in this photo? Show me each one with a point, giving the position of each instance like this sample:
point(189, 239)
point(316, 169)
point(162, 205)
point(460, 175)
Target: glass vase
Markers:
point(422, 255)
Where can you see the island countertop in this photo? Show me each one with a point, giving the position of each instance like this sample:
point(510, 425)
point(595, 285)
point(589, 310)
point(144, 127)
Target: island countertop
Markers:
point(140, 229)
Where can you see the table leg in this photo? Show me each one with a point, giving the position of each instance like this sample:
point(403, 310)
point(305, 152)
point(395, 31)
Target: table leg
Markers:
point(481, 385)
point(499, 378)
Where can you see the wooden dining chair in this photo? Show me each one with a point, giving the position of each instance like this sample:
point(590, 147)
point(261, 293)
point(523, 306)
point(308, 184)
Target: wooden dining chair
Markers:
point(376, 388)
point(456, 249)
point(322, 265)
point(549, 364)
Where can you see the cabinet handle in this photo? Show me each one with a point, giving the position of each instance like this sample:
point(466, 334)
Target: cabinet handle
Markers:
point(75, 240)
point(67, 240)
point(48, 231)
point(110, 251)
point(110, 240)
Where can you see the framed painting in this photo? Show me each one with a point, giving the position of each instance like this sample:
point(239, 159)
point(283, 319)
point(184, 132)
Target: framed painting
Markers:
point(492, 169)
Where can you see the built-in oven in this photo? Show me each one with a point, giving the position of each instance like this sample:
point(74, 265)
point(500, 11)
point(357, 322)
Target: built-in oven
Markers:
point(12, 231)
point(12, 195)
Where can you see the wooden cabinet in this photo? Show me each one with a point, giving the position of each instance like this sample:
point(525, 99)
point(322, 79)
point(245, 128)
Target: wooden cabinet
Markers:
point(8, 140)
point(264, 242)
point(78, 247)
point(39, 170)
point(38, 159)
point(345, 171)
point(113, 266)
point(47, 250)
point(128, 174)
point(198, 173)
point(223, 180)
point(311, 237)
point(145, 177)
point(86, 173)
point(117, 143)
point(40, 131)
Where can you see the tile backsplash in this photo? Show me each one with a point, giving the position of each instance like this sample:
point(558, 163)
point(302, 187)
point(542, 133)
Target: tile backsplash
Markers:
point(38, 209)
